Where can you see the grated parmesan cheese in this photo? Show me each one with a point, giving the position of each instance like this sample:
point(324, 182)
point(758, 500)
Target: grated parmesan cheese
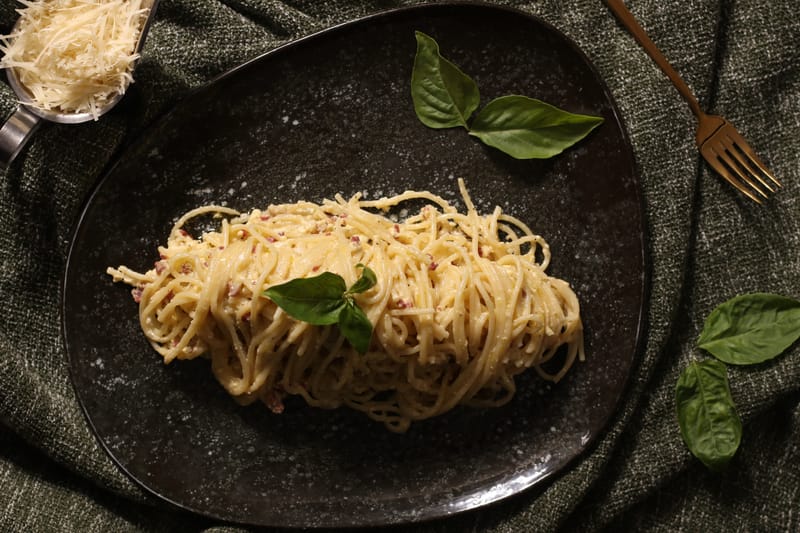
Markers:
point(74, 55)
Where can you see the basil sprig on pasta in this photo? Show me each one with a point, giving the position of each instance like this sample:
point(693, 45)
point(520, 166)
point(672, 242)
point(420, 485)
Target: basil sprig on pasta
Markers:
point(746, 330)
point(522, 127)
point(324, 300)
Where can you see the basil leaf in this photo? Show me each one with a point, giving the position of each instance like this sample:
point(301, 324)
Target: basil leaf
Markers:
point(751, 328)
point(526, 128)
point(355, 326)
point(317, 300)
point(367, 280)
point(443, 96)
point(707, 416)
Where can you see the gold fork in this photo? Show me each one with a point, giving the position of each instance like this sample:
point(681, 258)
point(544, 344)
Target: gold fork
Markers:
point(720, 144)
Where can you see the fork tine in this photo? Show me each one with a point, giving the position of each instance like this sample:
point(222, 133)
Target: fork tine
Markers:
point(742, 145)
point(743, 160)
point(717, 161)
point(740, 173)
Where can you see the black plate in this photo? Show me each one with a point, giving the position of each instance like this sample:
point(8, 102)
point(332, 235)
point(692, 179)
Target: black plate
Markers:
point(332, 113)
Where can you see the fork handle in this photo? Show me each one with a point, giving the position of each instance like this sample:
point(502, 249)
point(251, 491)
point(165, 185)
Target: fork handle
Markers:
point(629, 21)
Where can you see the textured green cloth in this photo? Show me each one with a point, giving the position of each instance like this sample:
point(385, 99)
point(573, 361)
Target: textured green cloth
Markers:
point(707, 244)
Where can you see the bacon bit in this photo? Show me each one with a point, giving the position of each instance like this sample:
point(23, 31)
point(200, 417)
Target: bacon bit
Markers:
point(175, 342)
point(355, 238)
point(433, 264)
point(184, 233)
point(221, 247)
point(396, 229)
point(161, 266)
point(136, 292)
point(271, 239)
point(315, 268)
point(186, 268)
point(243, 233)
point(253, 249)
point(403, 304)
point(264, 217)
point(274, 402)
point(162, 255)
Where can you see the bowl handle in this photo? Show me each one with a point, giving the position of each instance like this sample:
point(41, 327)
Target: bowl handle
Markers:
point(15, 133)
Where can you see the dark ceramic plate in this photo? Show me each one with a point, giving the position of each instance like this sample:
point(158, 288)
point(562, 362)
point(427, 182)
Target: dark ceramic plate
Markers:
point(332, 113)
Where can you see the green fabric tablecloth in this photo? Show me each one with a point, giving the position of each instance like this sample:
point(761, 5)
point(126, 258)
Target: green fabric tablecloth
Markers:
point(707, 244)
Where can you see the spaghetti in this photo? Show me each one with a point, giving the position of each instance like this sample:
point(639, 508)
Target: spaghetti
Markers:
point(461, 306)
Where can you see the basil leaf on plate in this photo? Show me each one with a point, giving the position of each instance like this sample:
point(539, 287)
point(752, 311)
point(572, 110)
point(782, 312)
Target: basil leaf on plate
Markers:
point(367, 280)
point(355, 326)
point(526, 128)
point(751, 328)
point(707, 416)
point(317, 300)
point(443, 96)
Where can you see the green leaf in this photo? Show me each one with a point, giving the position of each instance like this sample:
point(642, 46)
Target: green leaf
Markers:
point(751, 328)
point(526, 128)
point(324, 300)
point(367, 280)
point(707, 416)
point(317, 300)
point(355, 326)
point(444, 97)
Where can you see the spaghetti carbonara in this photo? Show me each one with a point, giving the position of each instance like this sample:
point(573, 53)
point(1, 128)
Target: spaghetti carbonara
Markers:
point(461, 306)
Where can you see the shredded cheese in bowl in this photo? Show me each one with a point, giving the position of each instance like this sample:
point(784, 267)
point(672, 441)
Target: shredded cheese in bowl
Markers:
point(74, 56)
